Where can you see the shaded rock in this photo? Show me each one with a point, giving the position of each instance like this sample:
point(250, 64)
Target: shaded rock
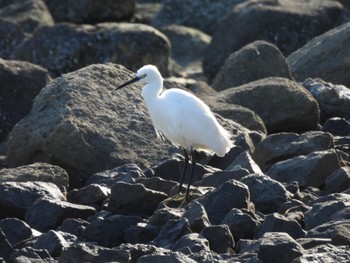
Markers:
point(197, 216)
point(172, 231)
point(231, 194)
point(157, 184)
point(28, 14)
point(134, 199)
point(245, 161)
point(187, 46)
point(218, 178)
point(337, 126)
point(52, 241)
point(108, 231)
point(197, 14)
point(219, 237)
point(82, 252)
point(308, 243)
point(334, 100)
point(276, 247)
point(42, 172)
point(141, 233)
point(297, 109)
point(90, 12)
point(325, 253)
point(11, 35)
point(269, 151)
point(46, 214)
point(242, 223)
point(279, 223)
point(119, 43)
point(16, 230)
point(138, 250)
point(193, 242)
point(126, 173)
point(21, 82)
point(266, 193)
point(177, 257)
point(254, 61)
point(146, 11)
point(91, 194)
point(5, 246)
point(341, 236)
point(324, 208)
point(244, 116)
point(164, 214)
point(17, 197)
point(73, 226)
point(327, 229)
point(286, 24)
point(309, 170)
point(339, 180)
point(29, 254)
point(97, 135)
point(206, 257)
point(308, 61)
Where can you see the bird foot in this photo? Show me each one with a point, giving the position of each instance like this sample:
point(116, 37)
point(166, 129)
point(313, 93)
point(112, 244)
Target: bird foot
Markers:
point(177, 198)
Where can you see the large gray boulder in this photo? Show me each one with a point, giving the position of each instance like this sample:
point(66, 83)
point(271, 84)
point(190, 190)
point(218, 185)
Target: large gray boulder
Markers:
point(82, 124)
point(91, 11)
point(254, 61)
point(66, 47)
point(287, 24)
point(325, 57)
point(283, 105)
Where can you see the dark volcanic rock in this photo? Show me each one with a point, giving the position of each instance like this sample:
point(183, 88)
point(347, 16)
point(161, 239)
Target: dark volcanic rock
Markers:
point(17, 197)
point(308, 61)
point(42, 172)
point(325, 253)
point(46, 214)
point(197, 217)
point(29, 14)
point(90, 11)
point(287, 24)
point(284, 105)
point(11, 35)
point(254, 61)
point(111, 130)
point(337, 126)
point(66, 47)
point(16, 230)
point(88, 195)
point(219, 237)
point(231, 194)
point(20, 82)
point(134, 199)
point(339, 180)
point(5, 246)
point(52, 241)
point(309, 170)
point(269, 151)
point(192, 242)
point(29, 254)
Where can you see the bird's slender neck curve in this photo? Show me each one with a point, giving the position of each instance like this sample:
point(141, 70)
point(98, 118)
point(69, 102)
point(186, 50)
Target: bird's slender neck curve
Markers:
point(152, 90)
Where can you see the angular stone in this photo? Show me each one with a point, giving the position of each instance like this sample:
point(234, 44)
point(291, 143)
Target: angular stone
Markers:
point(29, 254)
point(242, 223)
point(42, 172)
point(134, 199)
point(219, 237)
point(52, 241)
point(11, 35)
point(141, 233)
point(339, 180)
point(278, 223)
point(81, 252)
point(88, 195)
point(73, 226)
point(5, 246)
point(138, 250)
point(341, 236)
point(163, 214)
point(337, 126)
point(309, 170)
point(17, 197)
point(197, 217)
point(297, 110)
point(46, 214)
point(218, 178)
point(325, 253)
point(245, 161)
point(16, 230)
point(157, 184)
point(194, 242)
point(254, 61)
point(171, 257)
point(231, 194)
point(269, 151)
point(266, 193)
point(327, 229)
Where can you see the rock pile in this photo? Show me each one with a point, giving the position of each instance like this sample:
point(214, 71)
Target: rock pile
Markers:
point(83, 178)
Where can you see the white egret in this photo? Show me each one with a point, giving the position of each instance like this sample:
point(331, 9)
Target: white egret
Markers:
point(182, 118)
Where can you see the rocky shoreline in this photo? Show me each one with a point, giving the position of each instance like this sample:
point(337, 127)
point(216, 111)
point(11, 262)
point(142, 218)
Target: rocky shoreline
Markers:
point(83, 177)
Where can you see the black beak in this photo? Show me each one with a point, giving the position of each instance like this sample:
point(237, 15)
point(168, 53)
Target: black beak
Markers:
point(128, 82)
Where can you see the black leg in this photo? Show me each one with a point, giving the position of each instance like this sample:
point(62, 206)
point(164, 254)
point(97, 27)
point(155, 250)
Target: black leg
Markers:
point(184, 170)
point(192, 171)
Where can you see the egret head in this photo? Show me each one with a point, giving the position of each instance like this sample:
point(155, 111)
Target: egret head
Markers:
point(146, 74)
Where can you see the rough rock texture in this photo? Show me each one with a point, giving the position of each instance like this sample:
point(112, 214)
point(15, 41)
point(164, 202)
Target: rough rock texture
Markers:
point(284, 105)
point(91, 11)
point(20, 83)
point(94, 121)
point(254, 61)
point(11, 35)
point(333, 46)
point(287, 24)
point(66, 47)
